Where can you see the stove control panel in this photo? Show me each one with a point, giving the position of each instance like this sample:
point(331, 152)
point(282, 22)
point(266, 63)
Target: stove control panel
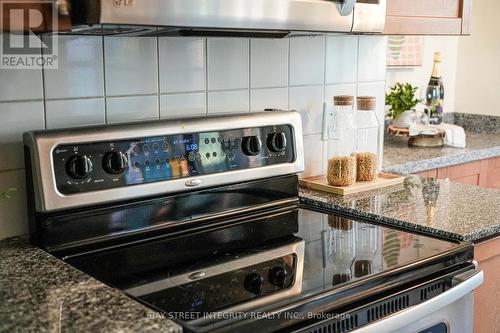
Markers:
point(111, 164)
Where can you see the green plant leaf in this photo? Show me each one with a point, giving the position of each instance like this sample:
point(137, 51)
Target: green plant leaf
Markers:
point(401, 98)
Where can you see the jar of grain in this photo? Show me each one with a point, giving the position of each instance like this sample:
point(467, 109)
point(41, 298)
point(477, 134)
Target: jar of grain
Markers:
point(341, 145)
point(367, 141)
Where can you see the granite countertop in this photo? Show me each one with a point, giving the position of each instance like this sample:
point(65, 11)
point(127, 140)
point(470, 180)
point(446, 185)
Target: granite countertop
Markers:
point(41, 293)
point(438, 207)
point(401, 159)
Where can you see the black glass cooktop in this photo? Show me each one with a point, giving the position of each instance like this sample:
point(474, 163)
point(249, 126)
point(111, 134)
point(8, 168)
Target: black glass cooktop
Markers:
point(283, 259)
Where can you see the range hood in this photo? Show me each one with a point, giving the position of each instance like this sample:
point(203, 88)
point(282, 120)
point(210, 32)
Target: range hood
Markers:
point(249, 18)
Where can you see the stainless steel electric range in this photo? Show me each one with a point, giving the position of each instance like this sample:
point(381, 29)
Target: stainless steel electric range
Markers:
point(199, 219)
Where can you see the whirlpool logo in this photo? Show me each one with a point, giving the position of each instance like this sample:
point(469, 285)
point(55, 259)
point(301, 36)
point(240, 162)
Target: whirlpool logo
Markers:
point(20, 46)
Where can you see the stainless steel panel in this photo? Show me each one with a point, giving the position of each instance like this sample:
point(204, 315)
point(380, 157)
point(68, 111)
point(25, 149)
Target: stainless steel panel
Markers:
point(291, 15)
point(453, 307)
point(42, 144)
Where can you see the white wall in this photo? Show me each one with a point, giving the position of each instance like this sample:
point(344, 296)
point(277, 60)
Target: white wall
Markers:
point(419, 76)
point(114, 79)
point(478, 67)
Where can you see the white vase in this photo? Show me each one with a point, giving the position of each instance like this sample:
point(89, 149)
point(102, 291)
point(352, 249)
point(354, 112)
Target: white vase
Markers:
point(405, 119)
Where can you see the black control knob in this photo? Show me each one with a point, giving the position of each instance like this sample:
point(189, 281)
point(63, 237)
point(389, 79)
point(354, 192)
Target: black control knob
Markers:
point(115, 162)
point(79, 167)
point(277, 276)
point(251, 145)
point(276, 142)
point(254, 283)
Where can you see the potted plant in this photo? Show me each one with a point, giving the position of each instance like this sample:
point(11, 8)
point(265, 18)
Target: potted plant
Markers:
point(402, 102)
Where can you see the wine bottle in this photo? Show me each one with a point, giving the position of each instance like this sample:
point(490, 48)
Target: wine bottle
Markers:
point(435, 93)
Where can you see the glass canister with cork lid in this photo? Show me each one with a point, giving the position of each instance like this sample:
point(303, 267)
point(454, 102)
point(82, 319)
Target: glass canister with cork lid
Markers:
point(342, 146)
point(367, 141)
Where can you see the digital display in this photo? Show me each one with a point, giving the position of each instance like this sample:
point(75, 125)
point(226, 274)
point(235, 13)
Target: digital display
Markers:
point(191, 147)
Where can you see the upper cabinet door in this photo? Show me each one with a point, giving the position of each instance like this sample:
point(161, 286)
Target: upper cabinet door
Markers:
point(428, 17)
point(35, 16)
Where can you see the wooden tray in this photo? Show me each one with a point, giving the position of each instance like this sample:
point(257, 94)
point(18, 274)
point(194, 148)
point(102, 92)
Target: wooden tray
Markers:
point(319, 183)
point(400, 131)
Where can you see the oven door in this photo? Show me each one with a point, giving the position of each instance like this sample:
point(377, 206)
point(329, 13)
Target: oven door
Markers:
point(451, 311)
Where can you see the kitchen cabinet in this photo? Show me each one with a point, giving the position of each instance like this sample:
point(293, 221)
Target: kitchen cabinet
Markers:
point(37, 16)
point(484, 173)
point(428, 17)
point(486, 304)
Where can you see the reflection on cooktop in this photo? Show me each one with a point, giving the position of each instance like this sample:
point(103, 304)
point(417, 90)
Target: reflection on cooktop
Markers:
point(205, 269)
point(340, 250)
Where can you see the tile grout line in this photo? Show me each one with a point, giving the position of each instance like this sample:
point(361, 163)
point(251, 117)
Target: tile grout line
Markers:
point(206, 75)
point(158, 75)
point(249, 54)
point(104, 80)
point(44, 99)
point(288, 69)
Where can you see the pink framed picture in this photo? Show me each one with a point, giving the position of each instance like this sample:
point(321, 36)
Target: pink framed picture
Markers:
point(404, 51)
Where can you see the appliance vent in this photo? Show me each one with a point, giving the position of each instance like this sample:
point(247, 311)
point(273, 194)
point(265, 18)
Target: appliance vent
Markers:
point(386, 308)
point(432, 290)
point(337, 326)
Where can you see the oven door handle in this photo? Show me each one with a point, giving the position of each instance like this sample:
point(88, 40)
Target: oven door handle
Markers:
point(465, 283)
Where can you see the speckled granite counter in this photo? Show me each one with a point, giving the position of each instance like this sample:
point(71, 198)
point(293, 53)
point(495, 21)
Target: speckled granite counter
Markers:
point(438, 207)
point(401, 159)
point(40, 293)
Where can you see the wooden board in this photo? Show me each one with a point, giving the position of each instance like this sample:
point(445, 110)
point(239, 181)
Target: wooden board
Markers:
point(319, 183)
point(399, 131)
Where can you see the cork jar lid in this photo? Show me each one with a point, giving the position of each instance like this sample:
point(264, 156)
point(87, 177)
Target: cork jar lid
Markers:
point(366, 103)
point(343, 100)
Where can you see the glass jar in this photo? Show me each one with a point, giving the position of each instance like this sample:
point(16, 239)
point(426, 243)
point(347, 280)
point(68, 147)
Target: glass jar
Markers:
point(367, 141)
point(341, 144)
point(367, 245)
point(340, 244)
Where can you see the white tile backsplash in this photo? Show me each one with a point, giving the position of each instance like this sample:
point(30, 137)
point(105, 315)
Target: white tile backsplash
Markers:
point(270, 98)
point(182, 64)
point(341, 59)
point(372, 57)
point(233, 101)
point(308, 101)
point(228, 63)
point(307, 56)
point(16, 118)
point(117, 79)
point(80, 69)
point(131, 108)
point(22, 84)
point(19, 84)
point(131, 65)
point(75, 112)
point(269, 59)
point(182, 105)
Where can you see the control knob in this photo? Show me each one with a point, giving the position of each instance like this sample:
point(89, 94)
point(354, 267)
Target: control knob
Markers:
point(115, 162)
point(254, 283)
point(79, 167)
point(277, 276)
point(251, 145)
point(276, 142)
